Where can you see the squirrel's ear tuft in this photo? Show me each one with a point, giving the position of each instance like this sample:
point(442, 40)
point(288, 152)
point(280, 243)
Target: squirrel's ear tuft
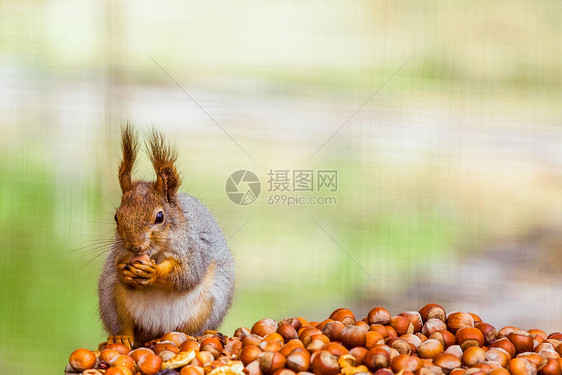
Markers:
point(129, 145)
point(163, 157)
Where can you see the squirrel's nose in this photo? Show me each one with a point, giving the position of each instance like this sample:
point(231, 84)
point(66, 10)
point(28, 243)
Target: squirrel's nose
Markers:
point(135, 249)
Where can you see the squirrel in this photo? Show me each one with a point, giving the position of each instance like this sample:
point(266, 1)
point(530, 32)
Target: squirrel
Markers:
point(169, 268)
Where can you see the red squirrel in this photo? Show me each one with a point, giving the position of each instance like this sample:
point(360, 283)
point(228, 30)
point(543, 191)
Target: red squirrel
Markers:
point(169, 268)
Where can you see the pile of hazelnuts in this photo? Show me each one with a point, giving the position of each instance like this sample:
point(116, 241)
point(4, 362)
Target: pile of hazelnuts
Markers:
point(424, 342)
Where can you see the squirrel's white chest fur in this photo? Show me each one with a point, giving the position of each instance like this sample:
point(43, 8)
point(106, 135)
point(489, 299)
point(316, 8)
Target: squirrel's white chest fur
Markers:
point(160, 311)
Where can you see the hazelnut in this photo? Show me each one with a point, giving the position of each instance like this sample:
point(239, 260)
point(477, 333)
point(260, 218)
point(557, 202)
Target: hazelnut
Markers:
point(122, 349)
point(287, 332)
point(118, 370)
point(458, 320)
point(504, 344)
point(325, 363)
point(401, 324)
point(488, 331)
point(379, 315)
point(445, 337)
point(363, 324)
point(165, 345)
point(284, 371)
point(124, 361)
point(498, 355)
point(336, 349)
point(499, 371)
point(359, 354)
point(290, 346)
point(306, 332)
point(380, 329)
point(253, 368)
point(272, 346)
point(150, 364)
point(429, 369)
point(303, 322)
point(212, 345)
point(520, 366)
point(343, 315)
point(82, 359)
point(202, 358)
point(294, 322)
point(241, 332)
point(504, 331)
point(521, 340)
point(421, 336)
point(432, 311)
point(474, 371)
point(547, 353)
point(192, 370)
point(430, 349)
point(139, 353)
point(191, 344)
point(176, 337)
point(475, 318)
point(391, 332)
point(372, 339)
point(473, 355)
point(232, 348)
point(553, 342)
point(447, 362)
point(271, 362)
point(251, 339)
point(249, 354)
point(352, 336)
point(383, 371)
point(549, 367)
point(107, 355)
point(400, 345)
point(332, 330)
point(405, 362)
point(455, 350)
point(274, 337)
point(323, 323)
point(264, 327)
point(412, 339)
point(298, 360)
point(433, 325)
point(377, 358)
point(315, 345)
point(469, 336)
point(534, 358)
point(415, 318)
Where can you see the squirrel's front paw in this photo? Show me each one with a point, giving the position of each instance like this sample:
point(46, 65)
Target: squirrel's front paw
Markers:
point(139, 274)
point(128, 341)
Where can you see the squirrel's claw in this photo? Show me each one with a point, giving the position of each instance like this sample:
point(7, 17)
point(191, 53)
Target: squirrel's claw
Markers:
point(119, 339)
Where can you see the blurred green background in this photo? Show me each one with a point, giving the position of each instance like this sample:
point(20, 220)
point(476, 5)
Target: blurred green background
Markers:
point(441, 118)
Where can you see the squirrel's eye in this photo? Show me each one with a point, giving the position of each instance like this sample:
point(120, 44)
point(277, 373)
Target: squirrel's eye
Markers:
point(115, 217)
point(159, 217)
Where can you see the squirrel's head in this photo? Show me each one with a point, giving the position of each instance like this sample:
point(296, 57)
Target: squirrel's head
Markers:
point(148, 210)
